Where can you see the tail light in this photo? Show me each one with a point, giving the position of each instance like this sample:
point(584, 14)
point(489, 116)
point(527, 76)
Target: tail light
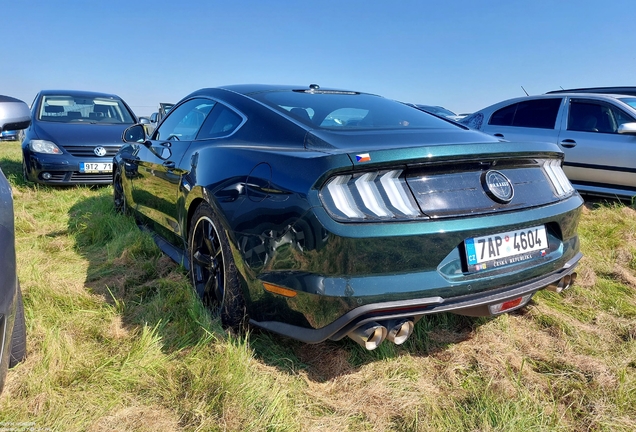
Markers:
point(552, 168)
point(369, 196)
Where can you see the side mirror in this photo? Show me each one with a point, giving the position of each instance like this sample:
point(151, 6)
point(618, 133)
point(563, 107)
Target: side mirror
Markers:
point(14, 114)
point(134, 134)
point(627, 129)
point(154, 117)
point(144, 120)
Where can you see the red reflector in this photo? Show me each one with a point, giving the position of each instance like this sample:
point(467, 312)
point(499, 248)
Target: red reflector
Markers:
point(511, 304)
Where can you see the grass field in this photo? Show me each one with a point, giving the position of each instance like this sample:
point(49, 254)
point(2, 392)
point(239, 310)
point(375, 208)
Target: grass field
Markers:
point(117, 341)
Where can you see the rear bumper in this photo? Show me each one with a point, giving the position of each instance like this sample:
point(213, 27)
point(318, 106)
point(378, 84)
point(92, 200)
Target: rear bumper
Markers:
point(472, 305)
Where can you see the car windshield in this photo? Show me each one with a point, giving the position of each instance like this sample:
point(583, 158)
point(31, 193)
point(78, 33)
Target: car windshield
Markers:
point(88, 109)
point(338, 110)
point(629, 101)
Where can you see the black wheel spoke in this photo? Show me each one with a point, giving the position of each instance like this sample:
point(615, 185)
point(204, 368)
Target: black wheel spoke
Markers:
point(209, 238)
point(202, 259)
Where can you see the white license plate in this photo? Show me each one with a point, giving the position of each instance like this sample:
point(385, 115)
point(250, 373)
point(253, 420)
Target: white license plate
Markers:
point(506, 248)
point(99, 167)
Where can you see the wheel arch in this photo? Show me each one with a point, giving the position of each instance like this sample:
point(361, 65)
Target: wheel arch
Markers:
point(194, 199)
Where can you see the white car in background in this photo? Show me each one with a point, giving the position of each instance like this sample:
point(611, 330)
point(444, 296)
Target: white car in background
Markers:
point(438, 111)
point(597, 132)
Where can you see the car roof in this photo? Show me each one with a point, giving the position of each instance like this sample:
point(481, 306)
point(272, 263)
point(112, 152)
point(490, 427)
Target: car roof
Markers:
point(246, 89)
point(571, 94)
point(78, 93)
point(626, 90)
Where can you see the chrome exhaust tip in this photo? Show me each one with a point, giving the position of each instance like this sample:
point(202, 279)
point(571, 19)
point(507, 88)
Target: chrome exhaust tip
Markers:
point(399, 331)
point(370, 335)
point(564, 283)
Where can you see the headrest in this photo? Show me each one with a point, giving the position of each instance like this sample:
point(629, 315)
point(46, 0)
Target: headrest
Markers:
point(100, 108)
point(53, 109)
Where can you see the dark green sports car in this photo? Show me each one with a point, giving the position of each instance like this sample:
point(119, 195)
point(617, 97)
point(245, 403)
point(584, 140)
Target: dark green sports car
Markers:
point(319, 213)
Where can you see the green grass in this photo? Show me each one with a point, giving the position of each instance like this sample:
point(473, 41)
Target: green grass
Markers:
point(117, 340)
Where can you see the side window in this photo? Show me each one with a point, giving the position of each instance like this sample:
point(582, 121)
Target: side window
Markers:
point(183, 123)
point(537, 113)
point(503, 116)
point(221, 122)
point(621, 117)
point(594, 116)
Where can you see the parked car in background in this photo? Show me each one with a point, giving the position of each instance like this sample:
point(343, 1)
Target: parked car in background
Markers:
point(73, 137)
point(323, 213)
point(625, 90)
point(156, 117)
point(597, 133)
point(14, 115)
point(11, 135)
point(438, 111)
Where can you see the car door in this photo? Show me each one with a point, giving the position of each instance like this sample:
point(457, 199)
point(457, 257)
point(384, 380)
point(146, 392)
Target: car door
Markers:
point(159, 170)
point(526, 120)
point(595, 153)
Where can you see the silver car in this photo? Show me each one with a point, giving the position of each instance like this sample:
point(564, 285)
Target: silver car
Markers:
point(597, 132)
point(14, 115)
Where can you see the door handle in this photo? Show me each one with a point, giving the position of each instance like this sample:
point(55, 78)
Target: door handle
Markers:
point(568, 143)
point(169, 164)
point(498, 135)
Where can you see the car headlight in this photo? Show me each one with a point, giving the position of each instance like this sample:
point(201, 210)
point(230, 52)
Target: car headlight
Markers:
point(43, 146)
point(552, 168)
point(369, 196)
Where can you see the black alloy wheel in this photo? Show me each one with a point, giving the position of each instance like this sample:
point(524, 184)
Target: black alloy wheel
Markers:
point(119, 197)
point(212, 268)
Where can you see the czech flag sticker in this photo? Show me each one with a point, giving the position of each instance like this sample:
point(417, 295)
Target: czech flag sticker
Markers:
point(364, 157)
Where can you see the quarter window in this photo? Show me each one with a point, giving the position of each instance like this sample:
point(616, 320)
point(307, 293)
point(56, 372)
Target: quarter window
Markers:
point(538, 113)
point(221, 122)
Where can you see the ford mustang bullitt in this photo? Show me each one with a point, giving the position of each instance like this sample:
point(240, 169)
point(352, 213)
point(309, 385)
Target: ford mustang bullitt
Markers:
point(322, 213)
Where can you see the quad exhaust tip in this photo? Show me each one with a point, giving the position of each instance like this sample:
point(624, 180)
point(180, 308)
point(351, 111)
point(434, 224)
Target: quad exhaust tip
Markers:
point(399, 331)
point(564, 283)
point(371, 335)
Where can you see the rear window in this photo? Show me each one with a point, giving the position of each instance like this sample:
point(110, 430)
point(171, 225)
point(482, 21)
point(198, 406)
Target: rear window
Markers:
point(336, 110)
point(538, 113)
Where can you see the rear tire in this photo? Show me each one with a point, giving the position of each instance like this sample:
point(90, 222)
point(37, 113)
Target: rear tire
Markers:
point(18, 337)
point(212, 268)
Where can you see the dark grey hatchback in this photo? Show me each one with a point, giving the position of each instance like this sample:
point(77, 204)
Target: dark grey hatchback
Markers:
point(73, 137)
point(14, 115)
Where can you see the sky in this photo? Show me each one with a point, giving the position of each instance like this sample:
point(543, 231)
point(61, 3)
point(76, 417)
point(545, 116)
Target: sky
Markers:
point(462, 55)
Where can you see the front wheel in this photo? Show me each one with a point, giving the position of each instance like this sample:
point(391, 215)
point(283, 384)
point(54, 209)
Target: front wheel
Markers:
point(25, 172)
point(119, 197)
point(18, 337)
point(212, 268)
